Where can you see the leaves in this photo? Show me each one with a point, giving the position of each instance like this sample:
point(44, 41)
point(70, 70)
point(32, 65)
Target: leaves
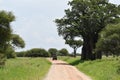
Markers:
point(17, 41)
point(109, 43)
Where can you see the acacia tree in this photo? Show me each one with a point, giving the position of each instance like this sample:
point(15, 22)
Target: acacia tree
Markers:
point(87, 18)
point(75, 44)
point(5, 33)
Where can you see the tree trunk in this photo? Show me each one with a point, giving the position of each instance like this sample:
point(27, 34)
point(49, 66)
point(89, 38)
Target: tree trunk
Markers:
point(75, 51)
point(87, 50)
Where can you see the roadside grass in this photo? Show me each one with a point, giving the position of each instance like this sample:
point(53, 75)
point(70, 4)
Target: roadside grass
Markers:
point(105, 69)
point(25, 69)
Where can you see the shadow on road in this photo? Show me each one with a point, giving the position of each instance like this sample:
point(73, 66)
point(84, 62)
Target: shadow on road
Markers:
point(76, 62)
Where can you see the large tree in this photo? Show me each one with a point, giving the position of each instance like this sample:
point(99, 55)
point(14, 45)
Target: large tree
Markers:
point(5, 33)
point(87, 18)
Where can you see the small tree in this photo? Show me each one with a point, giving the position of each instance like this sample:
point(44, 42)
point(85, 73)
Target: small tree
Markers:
point(75, 44)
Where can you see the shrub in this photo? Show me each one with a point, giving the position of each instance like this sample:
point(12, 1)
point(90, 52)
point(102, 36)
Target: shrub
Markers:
point(37, 52)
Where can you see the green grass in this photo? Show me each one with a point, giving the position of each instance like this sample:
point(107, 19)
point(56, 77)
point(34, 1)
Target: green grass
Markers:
point(25, 69)
point(105, 69)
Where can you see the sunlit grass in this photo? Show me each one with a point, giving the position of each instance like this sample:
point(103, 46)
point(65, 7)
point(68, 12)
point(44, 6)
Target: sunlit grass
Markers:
point(25, 69)
point(105, 69)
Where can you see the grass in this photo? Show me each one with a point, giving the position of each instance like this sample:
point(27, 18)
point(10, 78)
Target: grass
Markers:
point(105, 69)
point(25, 69)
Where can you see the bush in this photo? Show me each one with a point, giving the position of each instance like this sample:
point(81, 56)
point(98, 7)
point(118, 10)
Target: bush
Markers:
point(35, 52)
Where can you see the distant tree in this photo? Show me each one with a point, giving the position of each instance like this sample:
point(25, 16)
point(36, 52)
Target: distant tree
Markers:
point(75, 44)
point(87, 18)
point(21, 54)
point(37, 52)
point(5, 33)
point(52, 51)
point(109, 42)
point(63, 52)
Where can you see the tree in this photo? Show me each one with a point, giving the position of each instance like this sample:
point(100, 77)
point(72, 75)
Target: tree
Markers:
point(52, 51)
point(35, 52)
point(109, 42)
point(63, 52)
point(75, 44)
point(15, 42)
point(5, 33)
point(87, 18)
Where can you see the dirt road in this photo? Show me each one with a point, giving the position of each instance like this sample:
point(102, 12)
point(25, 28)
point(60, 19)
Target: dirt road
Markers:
point(60, 70)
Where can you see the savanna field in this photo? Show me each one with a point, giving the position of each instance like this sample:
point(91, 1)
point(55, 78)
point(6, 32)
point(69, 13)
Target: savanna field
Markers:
point(25, 69)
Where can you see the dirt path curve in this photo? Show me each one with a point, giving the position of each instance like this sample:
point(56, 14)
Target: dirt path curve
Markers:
point(60, 70)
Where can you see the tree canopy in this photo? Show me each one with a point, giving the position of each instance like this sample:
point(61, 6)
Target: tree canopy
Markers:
point(63, 52)
point(109, 42)
point(86, 18)
point(17, 41)
point(5, 33)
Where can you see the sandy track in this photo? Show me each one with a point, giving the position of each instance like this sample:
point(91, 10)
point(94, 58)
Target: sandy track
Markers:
point(60, 70)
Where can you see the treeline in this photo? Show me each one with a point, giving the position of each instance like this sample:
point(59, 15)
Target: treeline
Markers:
point(40, 52)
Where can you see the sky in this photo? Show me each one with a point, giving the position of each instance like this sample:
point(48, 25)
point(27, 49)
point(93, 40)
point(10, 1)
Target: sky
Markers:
point(35, 22)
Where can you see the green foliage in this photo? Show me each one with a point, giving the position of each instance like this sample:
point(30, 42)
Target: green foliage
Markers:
point(52, 51)
point(5, 30)
point(75, 44)
point(35, 52)
point(63, 52)
point(109, 42)
point(5, 33)
point(21, 54)
point(25, 69)
point(10, 53)
point(2, 59)
point(86, 18)
point(17, 41)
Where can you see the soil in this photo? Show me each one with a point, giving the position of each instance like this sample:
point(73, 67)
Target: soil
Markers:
point(60, 70)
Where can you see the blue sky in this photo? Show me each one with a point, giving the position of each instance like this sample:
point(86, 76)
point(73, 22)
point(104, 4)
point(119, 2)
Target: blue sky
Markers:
point(35, 21)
